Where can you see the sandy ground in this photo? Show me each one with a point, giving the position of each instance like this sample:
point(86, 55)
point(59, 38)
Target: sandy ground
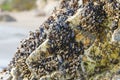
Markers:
point(11, 33)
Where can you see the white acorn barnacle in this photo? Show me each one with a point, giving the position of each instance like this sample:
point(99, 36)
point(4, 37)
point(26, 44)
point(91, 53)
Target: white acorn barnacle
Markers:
point(56, 74)
point(114, 25)
point(74, 20)
point(116, 36)
point(60, 58)
point(15, 73)
point(47, 77)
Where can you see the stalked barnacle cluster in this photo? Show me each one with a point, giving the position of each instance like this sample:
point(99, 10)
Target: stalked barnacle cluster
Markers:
point(79, 41)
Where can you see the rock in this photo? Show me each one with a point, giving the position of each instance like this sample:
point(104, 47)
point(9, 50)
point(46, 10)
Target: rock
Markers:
point(7, 18)
point(116, 36)
point(73, 44)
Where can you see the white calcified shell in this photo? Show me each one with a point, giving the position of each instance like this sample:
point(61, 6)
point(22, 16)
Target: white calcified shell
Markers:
point(35, 55)
point(15, 73)
point(116, 36)
point(47, 77)
point(80, 2)
point(56, 73)
point(59, 58)
point(74, 20)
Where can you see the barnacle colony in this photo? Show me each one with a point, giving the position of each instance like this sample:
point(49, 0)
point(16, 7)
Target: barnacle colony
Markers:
point(79, 41)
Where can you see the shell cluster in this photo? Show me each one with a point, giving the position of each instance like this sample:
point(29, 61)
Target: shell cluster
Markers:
point(79, 41)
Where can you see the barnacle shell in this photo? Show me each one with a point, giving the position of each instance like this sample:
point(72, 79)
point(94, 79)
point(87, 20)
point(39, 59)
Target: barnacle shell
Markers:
point(79, 41)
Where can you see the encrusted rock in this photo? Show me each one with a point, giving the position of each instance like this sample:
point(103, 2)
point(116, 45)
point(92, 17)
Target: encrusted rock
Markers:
point(79, 41)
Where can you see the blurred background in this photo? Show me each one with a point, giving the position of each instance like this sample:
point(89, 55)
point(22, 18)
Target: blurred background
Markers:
point(17, 18)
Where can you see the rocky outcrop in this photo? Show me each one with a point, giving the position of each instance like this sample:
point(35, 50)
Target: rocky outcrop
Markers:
point(6, 18)
point(79, 41)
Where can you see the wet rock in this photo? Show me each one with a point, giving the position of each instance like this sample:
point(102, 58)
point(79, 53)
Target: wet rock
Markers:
point(73, 44)
point(7, 18)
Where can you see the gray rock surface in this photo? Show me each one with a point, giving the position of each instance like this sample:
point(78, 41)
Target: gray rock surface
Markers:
point(6, 18)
